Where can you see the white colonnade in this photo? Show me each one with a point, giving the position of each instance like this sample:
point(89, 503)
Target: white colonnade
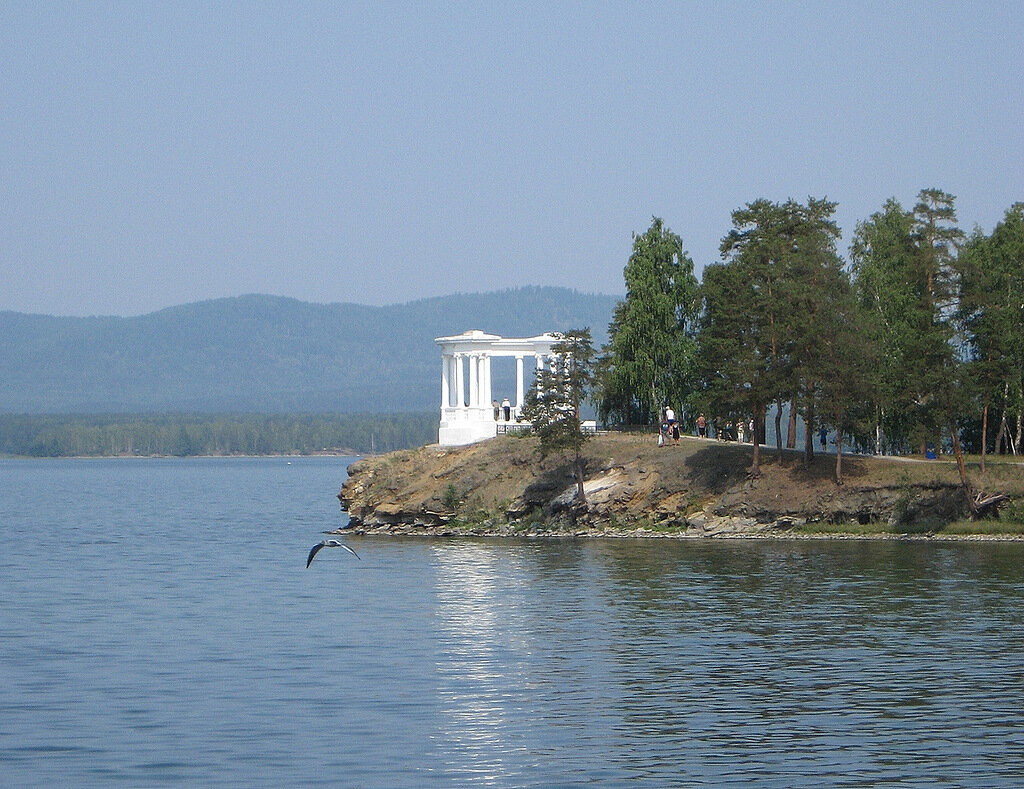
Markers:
point(467, 411)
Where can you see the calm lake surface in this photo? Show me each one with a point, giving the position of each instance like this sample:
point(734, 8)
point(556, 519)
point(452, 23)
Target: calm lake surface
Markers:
point(158, 626)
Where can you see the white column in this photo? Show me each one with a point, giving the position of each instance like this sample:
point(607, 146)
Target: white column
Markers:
point(520, 392)
point(474, 384)
point(485, 380)
point(453, 381)
point(446, 393)
point(460, 381)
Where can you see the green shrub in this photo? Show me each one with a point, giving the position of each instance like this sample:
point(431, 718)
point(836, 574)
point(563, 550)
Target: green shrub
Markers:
point(1013, 513)
point(451, 499)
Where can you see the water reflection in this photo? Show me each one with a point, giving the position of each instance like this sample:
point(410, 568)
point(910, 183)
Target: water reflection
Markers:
point(798, 662)
point(480, 653)
point(808, 659)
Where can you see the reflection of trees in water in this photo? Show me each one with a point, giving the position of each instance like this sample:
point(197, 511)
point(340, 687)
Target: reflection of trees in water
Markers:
point(789, 641)
point(743, 659)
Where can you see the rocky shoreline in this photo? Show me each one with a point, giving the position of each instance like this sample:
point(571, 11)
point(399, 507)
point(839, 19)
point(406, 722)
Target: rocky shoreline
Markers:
point(698, 489)
point(645, 534)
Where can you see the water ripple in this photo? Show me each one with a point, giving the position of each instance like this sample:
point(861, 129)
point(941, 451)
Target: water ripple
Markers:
point(179, 639)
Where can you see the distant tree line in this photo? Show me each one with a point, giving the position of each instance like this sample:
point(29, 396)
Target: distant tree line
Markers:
point(915, 343)
point(205, 434)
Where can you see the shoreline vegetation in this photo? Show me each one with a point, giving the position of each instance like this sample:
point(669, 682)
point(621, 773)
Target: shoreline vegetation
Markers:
point(211, 435)
point(699, 488)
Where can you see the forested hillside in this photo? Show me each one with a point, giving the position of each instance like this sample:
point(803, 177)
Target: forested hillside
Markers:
point(264, 354)
point(213, 434)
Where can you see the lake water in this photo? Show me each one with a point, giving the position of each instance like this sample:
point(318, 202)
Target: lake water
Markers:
point(158, 626)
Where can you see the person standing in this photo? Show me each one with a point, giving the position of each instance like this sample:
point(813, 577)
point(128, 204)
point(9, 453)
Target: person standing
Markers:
point(702, 427)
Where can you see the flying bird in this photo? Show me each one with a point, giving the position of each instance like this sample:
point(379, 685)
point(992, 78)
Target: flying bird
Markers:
point(328, 544)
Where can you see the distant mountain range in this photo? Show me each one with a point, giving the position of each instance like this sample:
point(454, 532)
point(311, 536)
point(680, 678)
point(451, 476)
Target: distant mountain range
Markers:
point(267, 354)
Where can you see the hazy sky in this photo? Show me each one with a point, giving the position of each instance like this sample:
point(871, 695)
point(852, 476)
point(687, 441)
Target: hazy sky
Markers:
point(158, 153)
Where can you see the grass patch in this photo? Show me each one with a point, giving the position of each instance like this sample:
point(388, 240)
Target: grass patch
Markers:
point(1014, 513)
point(984, 527)
point(859, 529)
point(867, 529)
point(614, 524)
point(961, 527)
point(668, 527)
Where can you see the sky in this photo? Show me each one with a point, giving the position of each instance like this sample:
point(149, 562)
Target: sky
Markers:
point(154, 154)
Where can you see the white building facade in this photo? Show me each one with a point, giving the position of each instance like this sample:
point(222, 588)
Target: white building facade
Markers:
point(467, 401)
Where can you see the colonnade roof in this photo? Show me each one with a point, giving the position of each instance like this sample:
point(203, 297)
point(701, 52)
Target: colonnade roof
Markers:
point(476, 341)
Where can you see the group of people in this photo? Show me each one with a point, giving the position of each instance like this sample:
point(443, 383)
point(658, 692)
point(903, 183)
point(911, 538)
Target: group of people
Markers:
point(503, 410)
point(669, 427)
point(739, 431)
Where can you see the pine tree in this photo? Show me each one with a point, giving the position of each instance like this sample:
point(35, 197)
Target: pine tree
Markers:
point(761, 329)
point(736, 368)
point(843, 363)
point(938, 238)
point(553, 403)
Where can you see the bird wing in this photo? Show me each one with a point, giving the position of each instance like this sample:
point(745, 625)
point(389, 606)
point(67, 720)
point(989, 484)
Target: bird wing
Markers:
point(342, 545)
point(313, 552)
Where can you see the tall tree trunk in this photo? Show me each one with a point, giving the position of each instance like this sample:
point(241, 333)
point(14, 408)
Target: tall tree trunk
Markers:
point(1001, 436)
point(962, 468)
point(809, 435)
point(1015, 446)
point(791, 428)
point(1004, 428)
point(839, 454)
point(984, 432)
point(778, 429)
point(577, 467)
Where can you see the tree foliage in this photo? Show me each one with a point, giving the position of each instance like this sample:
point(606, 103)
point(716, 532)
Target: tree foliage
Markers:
point(883, 264)
point(775, 316)
point(906, 276)
point(553, 402)
point(991, 312)
point(185, 435)
point(649, 359)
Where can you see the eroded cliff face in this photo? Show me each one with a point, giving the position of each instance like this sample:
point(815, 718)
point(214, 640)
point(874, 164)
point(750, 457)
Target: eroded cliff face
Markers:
point(695, 488)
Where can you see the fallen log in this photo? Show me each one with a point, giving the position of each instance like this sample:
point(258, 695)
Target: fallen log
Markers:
point(984, 502)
